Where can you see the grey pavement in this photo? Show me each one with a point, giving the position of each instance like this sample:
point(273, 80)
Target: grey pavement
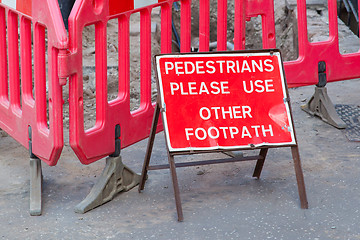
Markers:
point(219, 201)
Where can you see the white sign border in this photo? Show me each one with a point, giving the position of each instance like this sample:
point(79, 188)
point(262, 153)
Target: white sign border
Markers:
point(222, 54)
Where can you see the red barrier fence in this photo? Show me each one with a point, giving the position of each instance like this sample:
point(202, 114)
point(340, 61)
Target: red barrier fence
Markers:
point(34, 68)
point(30, 91)
point(99, 141)
point(304, 71)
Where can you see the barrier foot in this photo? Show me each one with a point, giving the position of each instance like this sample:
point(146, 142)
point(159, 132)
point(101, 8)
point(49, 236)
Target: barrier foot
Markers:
point(35, 187)
point(320, 105)
point(115, 178)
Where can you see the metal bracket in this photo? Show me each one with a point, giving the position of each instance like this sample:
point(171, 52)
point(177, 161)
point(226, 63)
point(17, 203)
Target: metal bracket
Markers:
point(36, 179)
point(115, 178)
point(320, 104)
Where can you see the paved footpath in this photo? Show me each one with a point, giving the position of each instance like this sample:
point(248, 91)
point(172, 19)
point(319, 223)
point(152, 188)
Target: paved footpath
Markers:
point(219, 201)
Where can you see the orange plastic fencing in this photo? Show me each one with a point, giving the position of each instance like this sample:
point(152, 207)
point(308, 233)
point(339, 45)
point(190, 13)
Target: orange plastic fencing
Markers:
point(31, 36)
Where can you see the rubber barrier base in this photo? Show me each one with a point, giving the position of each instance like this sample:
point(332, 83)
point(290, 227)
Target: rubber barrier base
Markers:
point(321, 106)
point(35, 186)
point(115, 178)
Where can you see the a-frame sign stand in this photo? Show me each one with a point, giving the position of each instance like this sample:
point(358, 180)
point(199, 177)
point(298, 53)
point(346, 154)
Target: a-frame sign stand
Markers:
point(193, 136)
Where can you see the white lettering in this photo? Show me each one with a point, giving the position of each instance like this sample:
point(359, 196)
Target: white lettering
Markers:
point(260, 87)
point(224, 131)
point(269, 86)
point(256, 65)
point(221, 65)
point(233, 131)
point(187, 66)
point(224, 86)
point(256, 128)
point(191, 88)
point(197, 133)
point(212, 84)
point(209, 65)
point(201, 112)
point(174, 87)
point(230, 65)
point(245, 67)
point(203, 88)
point(217, 134)
point(168, 66)
point(199, 68)
point(178, 67)
point(188, 133)
point(269, 130)
point(245, 132)
point(268, 63)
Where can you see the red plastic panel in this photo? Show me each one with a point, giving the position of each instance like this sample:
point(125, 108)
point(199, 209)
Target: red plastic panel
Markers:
point(99, 141)
point(304, 71)
point(265, 9)
point(31, 95)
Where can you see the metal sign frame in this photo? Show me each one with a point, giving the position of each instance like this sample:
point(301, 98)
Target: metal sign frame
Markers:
point(260, 158)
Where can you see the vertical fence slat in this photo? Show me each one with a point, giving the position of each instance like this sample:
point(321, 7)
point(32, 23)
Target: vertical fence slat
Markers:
point(3, 59)
point(302, 27)
point(185, 26)
point(13, 51)
point(40, 75)
point(101, 72)
point(145, 56)
point(124, 57)
point(204, 25)
point(26, 61)
point(239, 25)
point(166, 30)
point(222, 25)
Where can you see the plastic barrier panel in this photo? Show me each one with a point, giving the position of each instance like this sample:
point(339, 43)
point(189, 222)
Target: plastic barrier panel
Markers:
point(32, 34)
point(304, 71)
point(99, 141)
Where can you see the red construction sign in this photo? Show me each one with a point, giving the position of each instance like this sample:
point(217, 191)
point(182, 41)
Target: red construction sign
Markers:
point(224, 100)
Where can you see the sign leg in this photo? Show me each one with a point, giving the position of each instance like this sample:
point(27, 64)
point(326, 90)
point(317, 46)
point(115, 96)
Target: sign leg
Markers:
point(176, 188)
point(299, 177)
point(260, 163)
point(149, 147)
